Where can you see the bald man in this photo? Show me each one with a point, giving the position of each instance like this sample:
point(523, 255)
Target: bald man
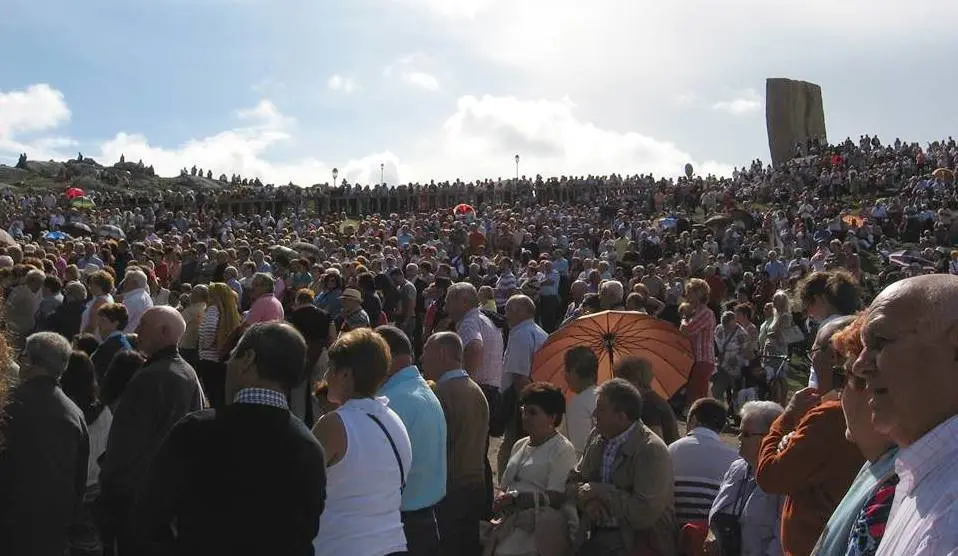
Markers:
point(157, 396)
point(910, 369)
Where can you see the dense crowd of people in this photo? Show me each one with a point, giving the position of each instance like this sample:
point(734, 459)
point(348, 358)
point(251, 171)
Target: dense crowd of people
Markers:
point(185, 378)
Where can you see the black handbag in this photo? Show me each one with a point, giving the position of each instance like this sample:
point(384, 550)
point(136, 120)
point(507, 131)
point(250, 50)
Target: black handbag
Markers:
point(728, 531)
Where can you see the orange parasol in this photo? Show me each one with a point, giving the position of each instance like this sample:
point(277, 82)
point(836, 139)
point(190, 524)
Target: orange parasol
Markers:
point(944, 174)
point(613, 336)
point(853, 220)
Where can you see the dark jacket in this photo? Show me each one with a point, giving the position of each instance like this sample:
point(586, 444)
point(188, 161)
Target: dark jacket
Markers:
point(104, 354)
point(66, 320)
point(244, 479)
point(157, 396)
point(43, 468)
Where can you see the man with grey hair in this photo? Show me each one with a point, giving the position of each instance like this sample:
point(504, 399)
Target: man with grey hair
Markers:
point(136, 297)
point(22, 306)
point(43, 463)
point(611, 295)
point(624, 483)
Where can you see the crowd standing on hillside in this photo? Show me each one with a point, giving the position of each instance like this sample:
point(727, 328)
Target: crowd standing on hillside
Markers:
point(182, 379)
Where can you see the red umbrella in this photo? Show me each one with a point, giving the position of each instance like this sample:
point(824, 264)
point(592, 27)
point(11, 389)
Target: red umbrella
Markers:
point(463, 209)
point(74, 192)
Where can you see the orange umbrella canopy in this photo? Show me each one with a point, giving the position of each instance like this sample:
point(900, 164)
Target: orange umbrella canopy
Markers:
point(614, 336)
point(851, 219)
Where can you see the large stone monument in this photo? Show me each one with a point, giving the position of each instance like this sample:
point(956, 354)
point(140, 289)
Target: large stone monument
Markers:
point(794, 113)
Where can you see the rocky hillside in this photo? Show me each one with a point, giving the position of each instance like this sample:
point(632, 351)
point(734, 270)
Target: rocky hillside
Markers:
point(88, 174)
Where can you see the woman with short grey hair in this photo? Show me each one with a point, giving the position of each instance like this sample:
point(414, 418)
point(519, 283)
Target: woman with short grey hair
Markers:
point(743, 518)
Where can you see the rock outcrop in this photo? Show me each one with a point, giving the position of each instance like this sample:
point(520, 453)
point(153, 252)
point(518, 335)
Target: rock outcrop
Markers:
point(794, 113)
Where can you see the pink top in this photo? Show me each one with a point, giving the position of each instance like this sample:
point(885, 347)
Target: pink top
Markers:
point(266, 308)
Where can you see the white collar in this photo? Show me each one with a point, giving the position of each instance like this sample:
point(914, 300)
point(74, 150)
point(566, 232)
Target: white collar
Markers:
point(705, 432)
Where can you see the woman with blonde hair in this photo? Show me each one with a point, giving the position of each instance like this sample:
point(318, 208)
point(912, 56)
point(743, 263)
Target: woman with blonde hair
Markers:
point(775, 348)
point(699, 326)
point(220, 321)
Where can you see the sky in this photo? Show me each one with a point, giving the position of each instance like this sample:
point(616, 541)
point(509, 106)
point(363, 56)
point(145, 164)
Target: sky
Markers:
point(287, 90)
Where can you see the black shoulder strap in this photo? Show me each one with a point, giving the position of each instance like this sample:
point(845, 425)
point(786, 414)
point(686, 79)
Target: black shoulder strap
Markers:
point(402, 470)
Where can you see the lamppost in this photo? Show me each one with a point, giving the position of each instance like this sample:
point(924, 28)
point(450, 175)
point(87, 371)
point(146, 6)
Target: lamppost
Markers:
point(335, 175)
point(517, 167)
point(382, 173)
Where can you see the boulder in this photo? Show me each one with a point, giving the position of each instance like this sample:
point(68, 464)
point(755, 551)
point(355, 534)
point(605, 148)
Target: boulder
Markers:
point(793, 113)
point(46, 169)
point(9, 174)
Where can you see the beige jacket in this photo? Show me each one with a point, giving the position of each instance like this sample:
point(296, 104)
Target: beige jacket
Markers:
point(641, 496)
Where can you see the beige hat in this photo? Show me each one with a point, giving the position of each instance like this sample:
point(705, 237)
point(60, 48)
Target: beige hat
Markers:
point(350, 293)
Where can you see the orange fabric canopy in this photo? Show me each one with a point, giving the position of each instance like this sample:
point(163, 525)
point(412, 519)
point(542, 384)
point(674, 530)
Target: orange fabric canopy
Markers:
point(614, 336)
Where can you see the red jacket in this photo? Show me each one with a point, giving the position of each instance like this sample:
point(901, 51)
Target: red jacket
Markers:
point(814, 467)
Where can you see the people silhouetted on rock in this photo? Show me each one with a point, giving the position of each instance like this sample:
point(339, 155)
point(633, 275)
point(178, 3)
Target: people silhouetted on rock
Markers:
point(22, 161)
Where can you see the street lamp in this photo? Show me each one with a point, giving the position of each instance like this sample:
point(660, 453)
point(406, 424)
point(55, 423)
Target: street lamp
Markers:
point(382, 173)
point(517, 167)
point(335, 175)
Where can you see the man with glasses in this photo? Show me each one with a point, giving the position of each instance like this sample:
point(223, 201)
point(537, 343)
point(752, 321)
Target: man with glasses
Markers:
point(805, 454)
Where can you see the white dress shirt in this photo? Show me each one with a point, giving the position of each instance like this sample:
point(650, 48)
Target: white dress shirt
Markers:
point(524, 341)
point(924, 515)
point(137, 302)
point(578, 423)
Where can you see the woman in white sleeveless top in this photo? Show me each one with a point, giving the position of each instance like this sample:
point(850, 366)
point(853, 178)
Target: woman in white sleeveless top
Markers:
point(368, 453)
point(100, 286)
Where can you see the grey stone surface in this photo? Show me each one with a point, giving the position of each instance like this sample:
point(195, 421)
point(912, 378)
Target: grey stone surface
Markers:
point(794, 112)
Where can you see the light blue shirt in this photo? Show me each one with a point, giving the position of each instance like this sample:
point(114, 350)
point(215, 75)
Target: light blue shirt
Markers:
point(550, 289)
point(418, 407)
point(525, 339)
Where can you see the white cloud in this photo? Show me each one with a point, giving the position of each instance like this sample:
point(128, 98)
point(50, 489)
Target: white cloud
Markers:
point(482, 136)
point(25, 113)
point(749, 102)
point(421, 79)
point(452, 8)
point(341, 84)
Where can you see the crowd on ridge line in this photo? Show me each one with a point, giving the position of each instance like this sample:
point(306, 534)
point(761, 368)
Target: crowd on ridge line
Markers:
point(331, 282)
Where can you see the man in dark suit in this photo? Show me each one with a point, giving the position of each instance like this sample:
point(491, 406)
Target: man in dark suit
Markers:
point(157, 396)
point(43, 459)
point(248, 478)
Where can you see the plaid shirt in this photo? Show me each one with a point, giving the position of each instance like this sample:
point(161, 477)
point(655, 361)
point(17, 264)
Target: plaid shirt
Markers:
point(261, 396)
point(610, 451)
